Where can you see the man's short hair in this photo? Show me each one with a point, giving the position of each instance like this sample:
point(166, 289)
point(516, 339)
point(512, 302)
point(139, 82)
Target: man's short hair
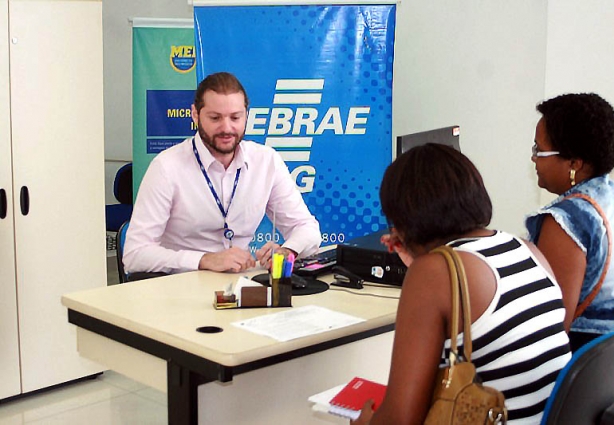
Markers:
point(221, 83)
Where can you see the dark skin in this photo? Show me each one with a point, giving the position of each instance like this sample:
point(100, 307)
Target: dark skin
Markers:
point(567, 260)
point(422, 322)
point(568, 263)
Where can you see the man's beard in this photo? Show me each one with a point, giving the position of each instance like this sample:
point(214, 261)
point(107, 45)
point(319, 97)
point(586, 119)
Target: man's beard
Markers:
point(210, 141)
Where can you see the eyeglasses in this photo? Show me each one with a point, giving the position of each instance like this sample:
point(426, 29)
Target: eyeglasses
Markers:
point(536, 153)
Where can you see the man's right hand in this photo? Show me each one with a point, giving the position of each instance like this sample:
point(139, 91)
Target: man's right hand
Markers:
point(231, 260)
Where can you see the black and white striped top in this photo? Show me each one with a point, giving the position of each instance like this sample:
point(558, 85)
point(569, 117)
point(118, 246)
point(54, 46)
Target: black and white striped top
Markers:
point(519, 343)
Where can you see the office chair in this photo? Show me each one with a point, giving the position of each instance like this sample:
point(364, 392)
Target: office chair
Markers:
point(129, 277)
point(116, 214)
point(121, 239)
point(583, 393)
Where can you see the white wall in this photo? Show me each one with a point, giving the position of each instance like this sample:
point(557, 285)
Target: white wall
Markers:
point(478, 64)
point(580, 51)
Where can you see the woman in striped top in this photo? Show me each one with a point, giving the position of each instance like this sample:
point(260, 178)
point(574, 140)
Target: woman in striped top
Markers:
point(434, 195)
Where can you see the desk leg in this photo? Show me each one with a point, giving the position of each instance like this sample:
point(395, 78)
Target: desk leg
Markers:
point(182, 394)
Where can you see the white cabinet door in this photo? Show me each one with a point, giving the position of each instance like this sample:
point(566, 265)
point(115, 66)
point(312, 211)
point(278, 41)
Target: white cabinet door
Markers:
point(58, 155)
point(9, 347)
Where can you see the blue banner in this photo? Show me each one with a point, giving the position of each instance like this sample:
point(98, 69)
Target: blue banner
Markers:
point(169, 113)
point(319, 81)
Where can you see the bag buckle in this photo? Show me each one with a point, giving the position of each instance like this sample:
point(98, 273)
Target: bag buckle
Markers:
point(447, 380)
point(497, 417)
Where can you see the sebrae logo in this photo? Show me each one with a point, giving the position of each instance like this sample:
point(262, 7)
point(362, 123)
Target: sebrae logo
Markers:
point(290, 128)
point(183, 58)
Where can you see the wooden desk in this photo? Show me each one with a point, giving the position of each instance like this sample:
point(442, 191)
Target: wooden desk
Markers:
point(147, 331)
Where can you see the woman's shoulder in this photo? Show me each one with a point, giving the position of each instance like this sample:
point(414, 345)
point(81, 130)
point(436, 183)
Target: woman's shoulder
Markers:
point(430, 266)
point(429, 280)
point(571, 211)
point(581, 209)
point(428, 277)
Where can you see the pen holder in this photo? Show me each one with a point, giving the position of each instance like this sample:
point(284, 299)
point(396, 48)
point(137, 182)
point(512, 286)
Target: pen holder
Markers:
point(272, 293)
point(282, 292)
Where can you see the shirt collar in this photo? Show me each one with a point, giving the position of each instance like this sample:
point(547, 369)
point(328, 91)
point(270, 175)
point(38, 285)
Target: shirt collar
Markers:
point(207, 159)
point(241, 157)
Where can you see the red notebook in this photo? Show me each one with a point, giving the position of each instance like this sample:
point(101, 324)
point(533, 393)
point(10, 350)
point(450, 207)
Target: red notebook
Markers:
point(349, 401)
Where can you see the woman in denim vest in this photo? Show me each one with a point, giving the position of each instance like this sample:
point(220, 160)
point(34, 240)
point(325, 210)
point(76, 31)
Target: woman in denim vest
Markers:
point(573, 154)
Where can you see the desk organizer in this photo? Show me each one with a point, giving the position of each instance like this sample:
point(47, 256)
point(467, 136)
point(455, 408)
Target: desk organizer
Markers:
point(279, 294)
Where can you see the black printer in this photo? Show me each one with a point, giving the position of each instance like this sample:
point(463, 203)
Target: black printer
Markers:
point(366, 257)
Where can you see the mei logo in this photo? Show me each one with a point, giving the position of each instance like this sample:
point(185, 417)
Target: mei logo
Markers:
point(182, 58)
point(290, 129)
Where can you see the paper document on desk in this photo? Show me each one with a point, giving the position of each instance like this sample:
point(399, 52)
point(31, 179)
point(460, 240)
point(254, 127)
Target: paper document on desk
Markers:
point(298, 322)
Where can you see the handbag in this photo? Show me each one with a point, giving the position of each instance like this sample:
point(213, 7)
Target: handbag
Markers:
point(459, 398)
point(591, 296)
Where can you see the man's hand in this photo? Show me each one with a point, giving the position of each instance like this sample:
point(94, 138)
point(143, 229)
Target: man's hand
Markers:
point(263, 255)
point(230, 260)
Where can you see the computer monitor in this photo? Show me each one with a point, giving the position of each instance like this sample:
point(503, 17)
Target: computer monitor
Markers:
point(445, 136)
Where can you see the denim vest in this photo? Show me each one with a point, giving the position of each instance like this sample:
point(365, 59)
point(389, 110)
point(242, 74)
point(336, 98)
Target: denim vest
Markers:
point(579, 219)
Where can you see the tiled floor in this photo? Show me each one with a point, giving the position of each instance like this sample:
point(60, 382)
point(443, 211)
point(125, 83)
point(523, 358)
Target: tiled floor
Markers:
point(108, 399)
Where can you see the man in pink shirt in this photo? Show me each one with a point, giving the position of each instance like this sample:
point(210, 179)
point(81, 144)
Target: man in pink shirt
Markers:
point(201, 201)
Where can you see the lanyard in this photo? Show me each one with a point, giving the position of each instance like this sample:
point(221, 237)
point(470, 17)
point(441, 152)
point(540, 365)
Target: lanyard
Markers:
point(228, 233)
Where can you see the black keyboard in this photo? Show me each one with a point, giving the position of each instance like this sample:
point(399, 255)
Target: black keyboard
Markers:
point(317, 264)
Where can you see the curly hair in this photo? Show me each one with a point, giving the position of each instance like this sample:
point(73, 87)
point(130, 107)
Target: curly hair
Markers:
point(581, 126)
point(433, 193)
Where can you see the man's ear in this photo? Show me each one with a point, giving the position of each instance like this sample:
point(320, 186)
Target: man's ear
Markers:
point(194, 115)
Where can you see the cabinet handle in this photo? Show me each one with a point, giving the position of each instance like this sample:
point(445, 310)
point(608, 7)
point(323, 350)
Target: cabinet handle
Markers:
point(3, 205)
point(24, 200)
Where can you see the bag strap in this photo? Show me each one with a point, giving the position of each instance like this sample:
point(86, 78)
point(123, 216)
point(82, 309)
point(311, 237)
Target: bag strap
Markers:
point(590, 297)
point(465, 304)
point(458, 279)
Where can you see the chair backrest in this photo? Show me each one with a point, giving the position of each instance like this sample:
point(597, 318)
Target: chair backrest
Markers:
point(121, 240)
point(122, 185)
point(584, 389)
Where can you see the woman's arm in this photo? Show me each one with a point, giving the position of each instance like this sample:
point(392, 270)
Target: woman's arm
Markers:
point(418, 343)
point(568, 263)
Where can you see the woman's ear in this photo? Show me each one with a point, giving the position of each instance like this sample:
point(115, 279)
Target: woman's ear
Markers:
point(576, 164)
point(583, 168)
point(406, 255)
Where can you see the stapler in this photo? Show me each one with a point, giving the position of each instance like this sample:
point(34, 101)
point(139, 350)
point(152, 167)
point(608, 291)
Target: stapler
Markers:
point(346, 279)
